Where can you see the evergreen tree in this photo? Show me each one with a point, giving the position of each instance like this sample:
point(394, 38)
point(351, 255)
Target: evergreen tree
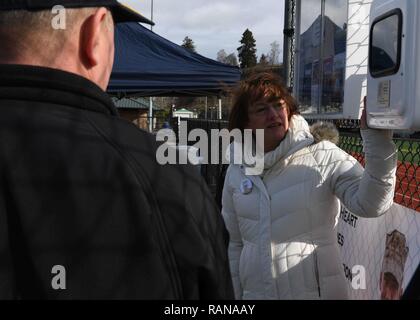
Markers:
point(247, 51)
point(188, 44)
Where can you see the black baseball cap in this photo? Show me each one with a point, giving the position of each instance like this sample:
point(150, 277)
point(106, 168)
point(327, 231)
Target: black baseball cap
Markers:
point(120, 12)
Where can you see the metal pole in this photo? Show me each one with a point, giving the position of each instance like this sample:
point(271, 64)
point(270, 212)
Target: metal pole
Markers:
point(151, 114)
point(295, 48)
point(220, 108)
point(321, 58)
point(205, 116)
point(151, 98)
point(287, 33)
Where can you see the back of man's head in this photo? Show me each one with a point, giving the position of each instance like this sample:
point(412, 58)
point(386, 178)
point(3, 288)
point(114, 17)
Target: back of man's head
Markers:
point(79, 40)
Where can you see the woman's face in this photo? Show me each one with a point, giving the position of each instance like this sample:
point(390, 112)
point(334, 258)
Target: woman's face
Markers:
point(273, 118)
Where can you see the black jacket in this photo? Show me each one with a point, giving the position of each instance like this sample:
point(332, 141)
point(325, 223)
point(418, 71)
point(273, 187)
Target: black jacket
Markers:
point(81, 188)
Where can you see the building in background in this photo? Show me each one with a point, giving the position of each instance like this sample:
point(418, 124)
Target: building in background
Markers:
point(320, 62)
point(136, 110)
point(326, 49)
point(184, 113)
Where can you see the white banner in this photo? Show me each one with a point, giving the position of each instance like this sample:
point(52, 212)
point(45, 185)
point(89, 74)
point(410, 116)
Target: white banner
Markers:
point(380, 255)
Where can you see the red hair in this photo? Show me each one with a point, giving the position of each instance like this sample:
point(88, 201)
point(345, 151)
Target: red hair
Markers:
point(257, 87)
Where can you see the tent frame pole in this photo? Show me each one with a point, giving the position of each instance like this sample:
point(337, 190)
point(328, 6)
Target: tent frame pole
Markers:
point(151, 114)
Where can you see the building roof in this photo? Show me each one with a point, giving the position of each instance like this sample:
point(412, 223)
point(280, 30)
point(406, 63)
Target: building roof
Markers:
point(133, 103)
point(183, 110)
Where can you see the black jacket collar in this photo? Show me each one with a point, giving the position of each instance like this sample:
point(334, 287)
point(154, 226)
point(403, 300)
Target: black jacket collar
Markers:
point(21, 82)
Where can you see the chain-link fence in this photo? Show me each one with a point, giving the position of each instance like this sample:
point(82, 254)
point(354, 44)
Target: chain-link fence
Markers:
point(211, 172)
point(407, 191)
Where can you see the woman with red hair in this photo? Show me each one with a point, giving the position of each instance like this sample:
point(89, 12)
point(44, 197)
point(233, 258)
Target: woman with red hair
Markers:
point(282, 222)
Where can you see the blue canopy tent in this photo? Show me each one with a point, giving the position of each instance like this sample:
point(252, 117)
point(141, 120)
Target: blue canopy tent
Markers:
point(147, 64)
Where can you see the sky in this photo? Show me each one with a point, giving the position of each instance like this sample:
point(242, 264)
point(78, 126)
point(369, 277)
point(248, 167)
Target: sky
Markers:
point(216, 24)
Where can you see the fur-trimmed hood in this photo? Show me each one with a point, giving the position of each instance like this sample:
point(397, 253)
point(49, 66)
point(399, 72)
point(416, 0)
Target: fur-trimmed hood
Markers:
point(323, 130)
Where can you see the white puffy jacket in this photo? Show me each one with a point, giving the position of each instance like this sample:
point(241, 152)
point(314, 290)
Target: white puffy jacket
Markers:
point(283, 240)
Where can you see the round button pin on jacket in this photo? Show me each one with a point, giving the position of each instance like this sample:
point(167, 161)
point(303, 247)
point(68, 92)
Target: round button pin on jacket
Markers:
point(246, 186)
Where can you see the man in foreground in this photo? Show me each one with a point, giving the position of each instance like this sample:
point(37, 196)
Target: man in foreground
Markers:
point(85, 210)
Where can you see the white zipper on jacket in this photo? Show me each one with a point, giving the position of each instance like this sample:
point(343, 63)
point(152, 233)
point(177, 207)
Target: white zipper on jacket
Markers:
point(266, 250)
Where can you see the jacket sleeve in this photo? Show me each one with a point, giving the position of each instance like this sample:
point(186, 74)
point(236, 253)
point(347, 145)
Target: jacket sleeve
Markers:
point(197, 234)
point(367, 192)
point(235, 239)
point(215, 273)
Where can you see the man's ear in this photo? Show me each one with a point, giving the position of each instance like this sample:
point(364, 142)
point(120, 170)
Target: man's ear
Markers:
point(91, 36)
